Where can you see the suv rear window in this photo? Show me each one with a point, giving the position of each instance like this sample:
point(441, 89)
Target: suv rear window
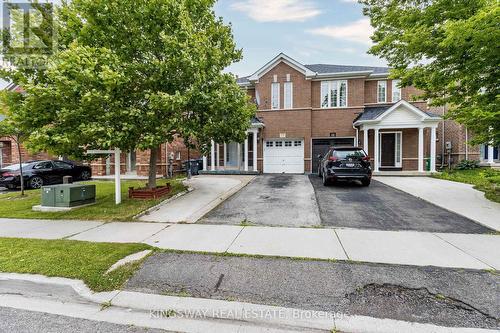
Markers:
point(343, 154)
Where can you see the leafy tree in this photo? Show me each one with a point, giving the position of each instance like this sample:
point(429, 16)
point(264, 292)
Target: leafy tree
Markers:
point(134, 74)
point(449, 49)
point(9, 128)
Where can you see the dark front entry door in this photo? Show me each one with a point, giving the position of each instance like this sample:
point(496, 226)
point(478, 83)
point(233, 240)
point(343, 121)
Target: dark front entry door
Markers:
point(321, 147)
point(388, 150)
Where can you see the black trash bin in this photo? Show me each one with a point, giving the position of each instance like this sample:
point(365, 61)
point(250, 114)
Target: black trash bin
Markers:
point(196, 166)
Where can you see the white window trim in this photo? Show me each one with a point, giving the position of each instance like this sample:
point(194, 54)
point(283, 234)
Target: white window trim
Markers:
point(285, 95)
point(395, 87)
point(329, 84)
point(396, 165)
point(385, 92)
point(272, 95)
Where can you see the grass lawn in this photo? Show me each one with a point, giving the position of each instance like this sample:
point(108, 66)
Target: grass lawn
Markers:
point(484, 179)
point(13, 205)
point(70, 259)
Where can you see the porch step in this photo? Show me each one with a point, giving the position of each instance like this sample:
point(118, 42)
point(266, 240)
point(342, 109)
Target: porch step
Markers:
point(402, 174)
point(228, 172)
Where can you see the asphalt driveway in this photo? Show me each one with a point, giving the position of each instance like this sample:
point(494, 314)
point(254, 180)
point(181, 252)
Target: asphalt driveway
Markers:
point(381, 207)
point(272, 200)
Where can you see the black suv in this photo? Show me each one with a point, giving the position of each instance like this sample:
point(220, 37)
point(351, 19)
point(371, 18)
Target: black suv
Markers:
point(349, 163)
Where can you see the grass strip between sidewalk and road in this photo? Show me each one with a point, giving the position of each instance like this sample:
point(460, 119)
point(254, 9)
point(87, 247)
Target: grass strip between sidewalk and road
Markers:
point(70, 259)
point(486, 180)
point(13, 205)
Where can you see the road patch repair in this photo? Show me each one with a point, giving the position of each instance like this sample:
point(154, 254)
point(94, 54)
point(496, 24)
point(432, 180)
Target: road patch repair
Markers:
point(470, 251)
point(71, 298)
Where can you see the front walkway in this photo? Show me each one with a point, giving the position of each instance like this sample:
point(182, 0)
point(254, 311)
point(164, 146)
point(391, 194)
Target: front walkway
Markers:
point(456, 197)
point(391, 247)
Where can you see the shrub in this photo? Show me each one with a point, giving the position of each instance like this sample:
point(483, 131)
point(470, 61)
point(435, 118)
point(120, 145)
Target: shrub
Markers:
point(467, 165)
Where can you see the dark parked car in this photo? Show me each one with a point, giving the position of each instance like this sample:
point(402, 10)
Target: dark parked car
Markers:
point(348, 163)
point(39, 173)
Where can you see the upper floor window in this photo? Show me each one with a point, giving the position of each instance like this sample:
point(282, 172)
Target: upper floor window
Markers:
point(288, 100)
point(382, 91)
point(334, 94)
point(275, 95)
point(396, 90)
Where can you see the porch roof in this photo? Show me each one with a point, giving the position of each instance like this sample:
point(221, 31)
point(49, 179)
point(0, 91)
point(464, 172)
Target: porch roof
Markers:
point(401, 114)
point(257, 122)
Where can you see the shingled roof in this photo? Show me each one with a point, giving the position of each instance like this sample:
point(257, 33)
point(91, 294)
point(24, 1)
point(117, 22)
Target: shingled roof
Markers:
point(326, 68)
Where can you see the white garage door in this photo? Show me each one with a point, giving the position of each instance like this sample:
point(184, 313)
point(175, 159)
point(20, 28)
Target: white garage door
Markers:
point(284, 156)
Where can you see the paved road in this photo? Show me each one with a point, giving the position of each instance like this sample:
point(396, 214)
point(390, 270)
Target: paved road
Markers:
point(273, 200)
point(21, 321)
point(381, 207)
point(420, 294)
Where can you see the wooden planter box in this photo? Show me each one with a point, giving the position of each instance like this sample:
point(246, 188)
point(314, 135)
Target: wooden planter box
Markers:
point(147, 193)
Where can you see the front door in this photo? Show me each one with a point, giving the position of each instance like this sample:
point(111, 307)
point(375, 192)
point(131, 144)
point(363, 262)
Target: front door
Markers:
point(232, 155)
point(390, 150)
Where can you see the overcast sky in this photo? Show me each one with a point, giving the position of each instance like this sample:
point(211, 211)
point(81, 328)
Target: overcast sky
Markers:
point(310, 31)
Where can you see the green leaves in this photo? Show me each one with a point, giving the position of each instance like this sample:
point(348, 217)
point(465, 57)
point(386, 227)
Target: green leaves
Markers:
point(449, 50)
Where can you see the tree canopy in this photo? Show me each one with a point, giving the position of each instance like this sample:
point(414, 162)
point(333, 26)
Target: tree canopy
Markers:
point(134, 74)
point(449, 50)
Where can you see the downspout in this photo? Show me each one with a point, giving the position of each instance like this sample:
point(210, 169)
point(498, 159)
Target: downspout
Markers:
point(357, 135)
point(466, 143)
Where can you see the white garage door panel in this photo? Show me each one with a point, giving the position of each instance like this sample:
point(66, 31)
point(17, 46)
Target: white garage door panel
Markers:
point(284, 159)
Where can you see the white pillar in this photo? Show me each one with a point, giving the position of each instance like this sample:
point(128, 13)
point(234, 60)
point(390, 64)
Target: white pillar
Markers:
point(118, 187)
point(365, 141)
point(204, 162)
point(246, 153)
point(376, 148)
point(225, 154)
point(255, 150)
point(433, 149)
point(239, 156)
point(217, 162)
point(490, 153)
point(212, 155)
point(421, 149)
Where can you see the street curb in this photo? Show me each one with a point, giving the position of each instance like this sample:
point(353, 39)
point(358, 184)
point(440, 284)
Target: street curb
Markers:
point(435, 204)
point(241, 312)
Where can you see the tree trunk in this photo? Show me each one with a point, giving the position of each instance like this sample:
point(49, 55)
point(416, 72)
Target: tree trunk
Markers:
point(152, 168)
point(21, 175)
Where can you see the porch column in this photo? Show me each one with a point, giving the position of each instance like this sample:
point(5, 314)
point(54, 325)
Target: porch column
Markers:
point(376, 149)
point(239, 156)
point(420, 149)
point(490, 153)
point(433, 149)
point(217, 161)
point(212, 155)
point(255, 150)
point(225, 154)
point(204, 162)
point(365, 140)
point(246, 153)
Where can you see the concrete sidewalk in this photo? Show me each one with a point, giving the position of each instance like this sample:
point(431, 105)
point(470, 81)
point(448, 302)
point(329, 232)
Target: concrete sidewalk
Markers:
point(473, 251)
point(208, 192)
point(456, 197)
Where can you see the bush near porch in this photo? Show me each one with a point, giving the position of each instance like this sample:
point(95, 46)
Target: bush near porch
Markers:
point(13, 205)
point(486, 180)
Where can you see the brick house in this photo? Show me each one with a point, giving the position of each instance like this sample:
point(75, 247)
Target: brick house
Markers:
point(304, 109)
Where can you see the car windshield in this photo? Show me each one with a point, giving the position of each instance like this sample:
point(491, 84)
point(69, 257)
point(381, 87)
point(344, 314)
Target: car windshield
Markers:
point(356, 153)
point(15, 167)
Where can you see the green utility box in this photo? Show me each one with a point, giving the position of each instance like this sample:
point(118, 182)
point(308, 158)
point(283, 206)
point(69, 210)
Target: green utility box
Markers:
point(67, 195)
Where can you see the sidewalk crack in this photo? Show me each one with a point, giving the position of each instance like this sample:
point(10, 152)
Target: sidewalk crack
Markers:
point(342, 245)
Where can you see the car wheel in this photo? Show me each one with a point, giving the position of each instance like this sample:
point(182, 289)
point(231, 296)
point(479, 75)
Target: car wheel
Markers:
point(85, 175)
point(35, 182)
point(366, 182)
